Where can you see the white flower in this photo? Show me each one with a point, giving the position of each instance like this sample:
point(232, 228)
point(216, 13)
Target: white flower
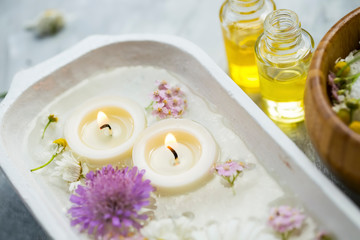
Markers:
point(49, 22)
point(169, 229)
point(84, 169)
point(68, 167)
point(234, 230)
point(73, 186)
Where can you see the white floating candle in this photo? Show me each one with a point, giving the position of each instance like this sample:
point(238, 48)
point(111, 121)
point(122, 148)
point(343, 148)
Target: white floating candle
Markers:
point(103, 130)
point(164, 159)
point(195, 148)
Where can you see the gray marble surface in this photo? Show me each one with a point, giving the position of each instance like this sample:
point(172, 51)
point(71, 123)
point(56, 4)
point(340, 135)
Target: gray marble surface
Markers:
point(195, 20)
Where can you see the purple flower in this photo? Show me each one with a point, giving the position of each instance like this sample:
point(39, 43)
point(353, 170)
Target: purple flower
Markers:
point(284, 219)
point(167, 102)
point(332, 87)
point(109, 204)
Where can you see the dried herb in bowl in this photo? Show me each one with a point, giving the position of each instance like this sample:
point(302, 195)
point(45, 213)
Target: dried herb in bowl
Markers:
point(344, 88)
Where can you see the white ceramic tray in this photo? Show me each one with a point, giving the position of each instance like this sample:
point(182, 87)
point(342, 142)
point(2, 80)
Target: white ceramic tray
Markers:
point(34, 88)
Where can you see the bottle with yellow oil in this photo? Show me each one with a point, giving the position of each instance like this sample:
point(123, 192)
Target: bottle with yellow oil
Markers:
point(242, 22)
point(283, 54)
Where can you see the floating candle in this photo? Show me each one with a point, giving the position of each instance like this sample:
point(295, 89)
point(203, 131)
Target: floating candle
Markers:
point(185, 166)
point(103, 130)
point(164, 158)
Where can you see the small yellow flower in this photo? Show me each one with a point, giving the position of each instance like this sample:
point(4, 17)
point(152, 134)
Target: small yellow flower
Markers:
point(61, 142)
point(355, 126)
point(352, 103)
point(61, 145)
point(339, 66)
point(52, 118)
point(344, 115)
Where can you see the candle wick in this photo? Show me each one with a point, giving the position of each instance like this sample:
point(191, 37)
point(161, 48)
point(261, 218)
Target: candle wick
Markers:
point(106, 126)
point(174, 152)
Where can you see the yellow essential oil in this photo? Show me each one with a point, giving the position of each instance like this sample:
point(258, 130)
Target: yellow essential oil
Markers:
point(241, 55)
point(283, 55)
point(242, 23)
point(283, 95)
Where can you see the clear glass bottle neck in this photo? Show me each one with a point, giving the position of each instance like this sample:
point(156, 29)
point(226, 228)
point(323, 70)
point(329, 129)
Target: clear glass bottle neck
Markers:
point(282, 31)
point(246, 6)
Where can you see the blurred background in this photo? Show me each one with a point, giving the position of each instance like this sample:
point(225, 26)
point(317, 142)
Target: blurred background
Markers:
point(195, 20)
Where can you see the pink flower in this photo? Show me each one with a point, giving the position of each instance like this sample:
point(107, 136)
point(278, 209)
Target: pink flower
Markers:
point(284, 219)
point(167, 102)
point(155, 96)
point(167, 93)
point(158, 106)
point(163, 95)
point(231, 170)
point(176, 91)
point(162, 85)
point(228, 168)
point(177, 112)
point(161, 112)
point(176, 101)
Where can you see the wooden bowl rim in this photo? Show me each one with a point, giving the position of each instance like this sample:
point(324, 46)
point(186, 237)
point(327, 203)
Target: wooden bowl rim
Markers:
point(321, 100)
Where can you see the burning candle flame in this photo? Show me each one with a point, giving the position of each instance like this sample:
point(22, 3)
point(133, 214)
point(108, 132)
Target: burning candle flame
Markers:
point(169, 139)
point(102, 119)
point(103, 122)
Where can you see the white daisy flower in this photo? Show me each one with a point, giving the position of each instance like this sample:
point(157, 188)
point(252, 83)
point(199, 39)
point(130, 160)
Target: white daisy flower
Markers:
point(73, 186)
point(48, 23)
point(234, 230)
point(84, 169)
point(169, 229)
point(68, 167)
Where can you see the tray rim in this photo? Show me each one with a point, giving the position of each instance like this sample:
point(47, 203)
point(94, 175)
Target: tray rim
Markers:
point(36, 73)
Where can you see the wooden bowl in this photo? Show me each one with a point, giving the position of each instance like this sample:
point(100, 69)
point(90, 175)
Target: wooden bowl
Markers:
point(337, 145)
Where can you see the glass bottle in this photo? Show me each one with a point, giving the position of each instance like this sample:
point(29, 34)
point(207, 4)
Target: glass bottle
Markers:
point(283, 54)
point(242, 23)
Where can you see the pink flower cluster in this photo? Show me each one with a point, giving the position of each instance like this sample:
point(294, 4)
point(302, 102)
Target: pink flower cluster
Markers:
point(168, 101)
point(285, 219)
point(231, 170)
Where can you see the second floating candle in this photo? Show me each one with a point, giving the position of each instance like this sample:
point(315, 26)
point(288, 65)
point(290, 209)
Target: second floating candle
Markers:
point(185, 164)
